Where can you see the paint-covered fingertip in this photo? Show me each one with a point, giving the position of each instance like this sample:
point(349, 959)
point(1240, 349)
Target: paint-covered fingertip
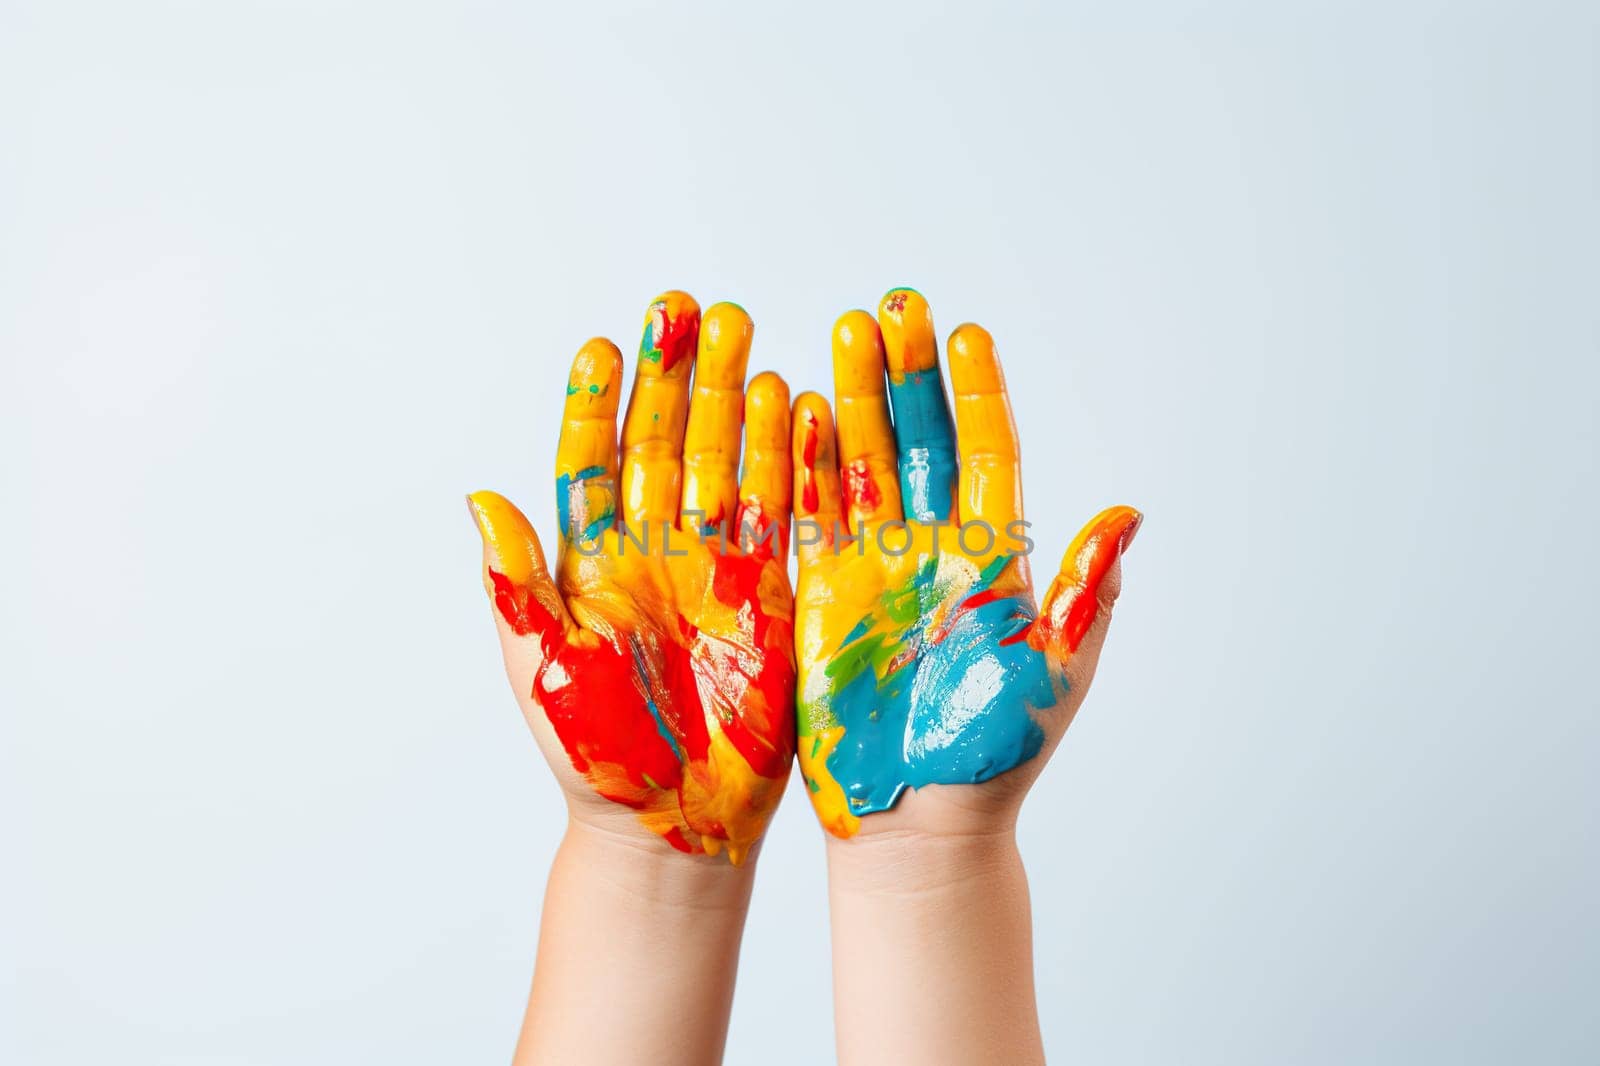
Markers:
point(970, 341)
point(677, 301)
point(974, 362)
point(907, 325)
point(725, 325)
point(766, 391)
point(671, 333)
point(1119, 523)
point(509, 542)
point(857, 354)
point(483, 503)
point(812, 408)
point(1074, 599)
point(596, 370)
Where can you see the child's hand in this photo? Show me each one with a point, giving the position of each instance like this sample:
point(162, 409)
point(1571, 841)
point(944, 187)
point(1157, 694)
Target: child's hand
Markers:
point(656, 670)
point(922, 659)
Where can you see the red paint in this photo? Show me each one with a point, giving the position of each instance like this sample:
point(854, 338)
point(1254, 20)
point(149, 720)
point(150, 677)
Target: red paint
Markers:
point(753, 703)
point(757, 536)
point(748, 676)
point(623, 733)
point(675, 338)
point(635, 715)
point(519, 607)
point(809, 499)
point(978, 599)
point(1075, 607)
point(861, 492)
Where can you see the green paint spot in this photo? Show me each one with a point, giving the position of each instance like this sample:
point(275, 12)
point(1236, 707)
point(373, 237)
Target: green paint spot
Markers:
point(656, 417)
point(850, 661)
point(812, 785)
point(648, 780)
point(595, 389)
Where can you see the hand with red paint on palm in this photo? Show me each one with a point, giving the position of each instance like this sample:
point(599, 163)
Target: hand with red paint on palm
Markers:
point(656, 668)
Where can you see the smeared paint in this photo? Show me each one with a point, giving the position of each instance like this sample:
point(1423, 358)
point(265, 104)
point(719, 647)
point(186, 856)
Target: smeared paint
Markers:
point(861, 492)
point(675, 698)
point(925, 438)
point(586, 503)
point(809, 499)
point(670, 334)
point(932, 686)
point(1073, 601)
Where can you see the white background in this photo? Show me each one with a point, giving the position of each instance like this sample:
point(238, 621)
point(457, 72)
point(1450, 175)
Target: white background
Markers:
point(1314, 288)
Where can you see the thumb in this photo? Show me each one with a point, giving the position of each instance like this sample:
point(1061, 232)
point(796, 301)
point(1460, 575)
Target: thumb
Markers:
point(1089, 580)
point(514, 571)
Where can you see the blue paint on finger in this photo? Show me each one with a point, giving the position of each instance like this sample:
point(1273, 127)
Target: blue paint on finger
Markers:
point(926, 440)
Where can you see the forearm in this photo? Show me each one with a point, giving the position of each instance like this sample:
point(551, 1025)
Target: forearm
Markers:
point(932, 951)
point(638, 949)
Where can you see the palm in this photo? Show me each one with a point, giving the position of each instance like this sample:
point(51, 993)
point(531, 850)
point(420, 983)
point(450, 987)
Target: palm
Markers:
point(922, 658)
point(691, 653)
point(656, 669)
point(926, 678)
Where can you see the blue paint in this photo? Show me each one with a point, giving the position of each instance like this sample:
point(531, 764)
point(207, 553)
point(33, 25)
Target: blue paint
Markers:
point(948, 707)
point(577, 485)
point(647, 689)
point(926, 440)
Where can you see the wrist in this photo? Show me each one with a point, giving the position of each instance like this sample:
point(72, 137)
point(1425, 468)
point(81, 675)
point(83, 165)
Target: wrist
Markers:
point(917, 863)
point(648, 878)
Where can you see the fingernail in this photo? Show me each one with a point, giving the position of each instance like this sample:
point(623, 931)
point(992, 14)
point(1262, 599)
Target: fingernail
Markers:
point(1130, 531)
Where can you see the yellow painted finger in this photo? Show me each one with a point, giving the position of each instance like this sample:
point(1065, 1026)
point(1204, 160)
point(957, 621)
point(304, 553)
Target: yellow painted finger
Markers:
point(817, 500)
point(652, 431)
point(924, 438)
point(716, 408)
point(586, 454)
point(762, 522)
point(514, 572)
point(990, 486)
point(867, 458)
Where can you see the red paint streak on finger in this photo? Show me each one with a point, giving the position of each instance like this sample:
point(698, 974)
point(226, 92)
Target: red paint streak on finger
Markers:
point(676, 338)
point(861, 492)
point(759, 536)
point(519, 607)
point(1074, 609)
point(674, 836)
point(809, 500)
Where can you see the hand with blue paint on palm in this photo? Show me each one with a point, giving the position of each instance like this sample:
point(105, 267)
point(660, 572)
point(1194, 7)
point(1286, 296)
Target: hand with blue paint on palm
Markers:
point(931, 691)
point(923, 662)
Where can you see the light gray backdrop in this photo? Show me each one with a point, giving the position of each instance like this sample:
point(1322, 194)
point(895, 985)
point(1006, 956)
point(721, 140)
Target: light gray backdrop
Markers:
point(1313, 285)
